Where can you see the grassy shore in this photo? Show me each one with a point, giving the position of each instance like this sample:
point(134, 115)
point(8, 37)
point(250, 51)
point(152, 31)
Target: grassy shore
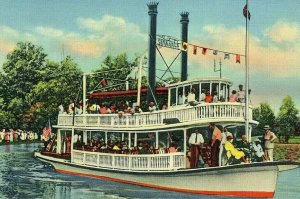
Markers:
point(287, 152)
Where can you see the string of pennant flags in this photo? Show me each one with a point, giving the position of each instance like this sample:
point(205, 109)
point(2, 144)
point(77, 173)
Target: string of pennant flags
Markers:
point(185, 47)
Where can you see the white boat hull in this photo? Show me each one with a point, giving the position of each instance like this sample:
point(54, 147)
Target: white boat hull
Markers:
point(247, 180)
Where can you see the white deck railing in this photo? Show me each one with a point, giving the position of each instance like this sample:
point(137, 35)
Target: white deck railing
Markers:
point(204, 111)
point(147, 162)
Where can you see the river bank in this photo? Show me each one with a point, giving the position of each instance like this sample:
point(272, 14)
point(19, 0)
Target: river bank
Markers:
point(287, 152)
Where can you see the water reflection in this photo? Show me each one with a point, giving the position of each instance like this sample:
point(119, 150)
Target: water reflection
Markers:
point(22, 176)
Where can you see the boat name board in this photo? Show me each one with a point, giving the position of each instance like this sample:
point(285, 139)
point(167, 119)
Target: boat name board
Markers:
point(168, 42)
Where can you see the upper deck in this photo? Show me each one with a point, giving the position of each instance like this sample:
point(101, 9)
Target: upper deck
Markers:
point(201, 113)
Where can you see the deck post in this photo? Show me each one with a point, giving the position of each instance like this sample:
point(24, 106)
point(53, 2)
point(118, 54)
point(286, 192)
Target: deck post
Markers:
point(72, 144)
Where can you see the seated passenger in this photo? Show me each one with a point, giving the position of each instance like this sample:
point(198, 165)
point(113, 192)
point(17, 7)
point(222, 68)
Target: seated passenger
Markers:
point(208, 97)
point(151, 107)
point(234, 156)
point(259, 154)
point(192, 98)
point(233, 97)
point(203, 95)
point(172, 148)
point(103, 109)
point(244, 145)
point(215, 98)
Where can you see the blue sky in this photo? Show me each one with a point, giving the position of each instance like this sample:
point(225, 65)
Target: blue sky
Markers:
point(90, 30)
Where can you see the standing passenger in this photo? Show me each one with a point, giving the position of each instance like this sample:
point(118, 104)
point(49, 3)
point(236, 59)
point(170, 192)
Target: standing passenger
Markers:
point(215, 144)
point(195, 141)
point(269, 143)
point(241, 94)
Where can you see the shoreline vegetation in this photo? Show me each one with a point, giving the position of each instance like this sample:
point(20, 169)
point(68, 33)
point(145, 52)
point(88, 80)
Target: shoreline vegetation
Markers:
point(287, 152)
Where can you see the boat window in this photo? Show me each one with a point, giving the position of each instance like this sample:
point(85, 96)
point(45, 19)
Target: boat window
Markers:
point(196, 88)
point(205, 86)
point(187, 89)
point(173, 96)
point(215, 89)
point(146, 140)
point(180, 96)
point(171, 137)
point(223, 95)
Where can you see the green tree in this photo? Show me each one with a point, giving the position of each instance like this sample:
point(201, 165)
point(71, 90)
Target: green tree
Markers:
point(115, 70)
point(287, 119)
point(264, 115)
point(63, 83)
point(21, 72)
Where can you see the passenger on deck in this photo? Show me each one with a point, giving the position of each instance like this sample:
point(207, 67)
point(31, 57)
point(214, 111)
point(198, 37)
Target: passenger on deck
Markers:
point(208, 97)
point(151, 107)
point(172, 148)
point(233, 97)
point(215, 98)
point(180, 98)
point(203, 95)
point(215, 144)
point(127, 109)
point(244, 145)
point(195, 141)
point(241, 94)
point(234, 155)
point(61, 108)
point(259, 154)
point(269, 137)
point(103, 109)
point(192, 98)
point(68, 143)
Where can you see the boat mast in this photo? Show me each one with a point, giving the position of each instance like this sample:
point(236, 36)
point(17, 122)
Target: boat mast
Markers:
point(139, 85)
point(84, 93)
point(247, 74)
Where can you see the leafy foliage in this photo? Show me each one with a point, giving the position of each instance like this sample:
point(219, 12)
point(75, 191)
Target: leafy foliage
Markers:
point(287, 118)
point(264, 115)
point(115, 70)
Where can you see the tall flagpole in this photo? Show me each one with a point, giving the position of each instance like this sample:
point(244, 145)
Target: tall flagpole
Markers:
point(247, 74)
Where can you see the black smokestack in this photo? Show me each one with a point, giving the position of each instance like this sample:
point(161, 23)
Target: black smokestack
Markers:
point(152, 12)
point(184, 37)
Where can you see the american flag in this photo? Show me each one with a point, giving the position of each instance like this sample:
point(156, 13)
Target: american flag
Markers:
point(46, 133)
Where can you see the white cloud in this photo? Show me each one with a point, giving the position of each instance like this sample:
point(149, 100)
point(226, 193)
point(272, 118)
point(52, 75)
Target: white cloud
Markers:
point(283, 31)
point(49, 32)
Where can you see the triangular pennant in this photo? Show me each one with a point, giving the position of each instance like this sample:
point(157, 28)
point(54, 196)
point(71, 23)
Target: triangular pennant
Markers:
point(237, 58)
point(195, 50)
point(204, 51)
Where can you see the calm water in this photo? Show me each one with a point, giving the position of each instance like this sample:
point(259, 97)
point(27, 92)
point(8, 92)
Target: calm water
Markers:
point(22, 176)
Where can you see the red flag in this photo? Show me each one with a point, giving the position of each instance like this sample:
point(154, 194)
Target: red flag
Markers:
point(103, 82)
point(46, 133)
point(204, 51)
point(245, 10)
point(237, 58)
point(195, 50)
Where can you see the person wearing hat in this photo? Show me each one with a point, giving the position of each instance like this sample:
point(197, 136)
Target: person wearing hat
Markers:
point(234, 155)
point(259, 154)
point(269, 138)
